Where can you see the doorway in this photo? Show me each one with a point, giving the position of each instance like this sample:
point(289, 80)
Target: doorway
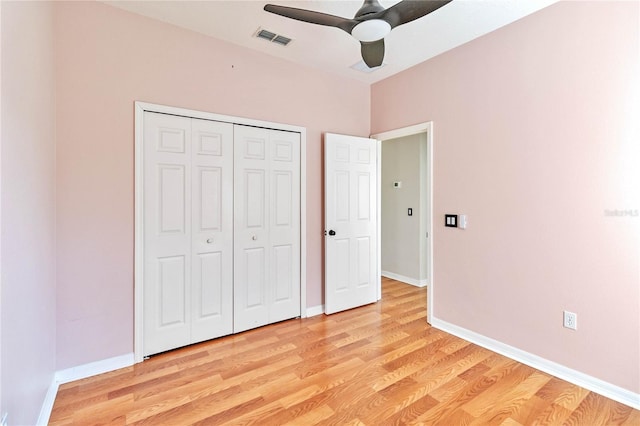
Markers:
point(419, 270)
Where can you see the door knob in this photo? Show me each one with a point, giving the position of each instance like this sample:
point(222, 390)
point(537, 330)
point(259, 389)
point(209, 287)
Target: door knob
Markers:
point(209, 240)
point(332, 232)
point(254, 238)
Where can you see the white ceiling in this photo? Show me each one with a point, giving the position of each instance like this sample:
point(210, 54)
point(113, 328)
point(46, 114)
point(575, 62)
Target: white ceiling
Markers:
point(331, 49)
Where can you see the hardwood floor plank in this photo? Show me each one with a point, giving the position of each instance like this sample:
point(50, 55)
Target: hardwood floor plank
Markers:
point(511, 401)
point(490, 397)
point(633, 419)
point(528, 411)
point(374, 365)
point(164, 401)
point(312, 417)
point(510, 422)
point(596, 409)
point(552, 415)
point(448, 406)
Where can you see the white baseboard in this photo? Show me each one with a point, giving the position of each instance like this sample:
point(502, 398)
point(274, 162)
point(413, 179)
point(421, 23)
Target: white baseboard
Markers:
point(408, 280)
point(47, 404)
point(315, 310)
point(77, 373)
point(586, 381)
point(93, 368)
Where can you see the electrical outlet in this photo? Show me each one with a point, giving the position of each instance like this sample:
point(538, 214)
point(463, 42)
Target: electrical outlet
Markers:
point(570, 320)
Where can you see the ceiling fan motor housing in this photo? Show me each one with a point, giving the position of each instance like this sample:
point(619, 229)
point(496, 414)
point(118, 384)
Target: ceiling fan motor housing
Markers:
point(369, 6)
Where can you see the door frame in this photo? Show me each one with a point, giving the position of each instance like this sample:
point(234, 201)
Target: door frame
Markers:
point(424, 127)
point(138, 279)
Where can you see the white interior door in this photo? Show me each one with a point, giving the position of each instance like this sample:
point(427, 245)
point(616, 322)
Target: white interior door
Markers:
point(187, 231)
point(351, 277)
point(267, 226)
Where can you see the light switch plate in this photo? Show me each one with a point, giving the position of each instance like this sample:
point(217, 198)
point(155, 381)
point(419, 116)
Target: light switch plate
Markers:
point(451, 220)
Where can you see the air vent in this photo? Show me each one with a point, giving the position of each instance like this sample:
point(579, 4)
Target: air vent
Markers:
point(272, 37)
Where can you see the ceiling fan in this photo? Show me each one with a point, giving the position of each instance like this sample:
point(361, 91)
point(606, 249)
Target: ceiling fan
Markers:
point(370, 25)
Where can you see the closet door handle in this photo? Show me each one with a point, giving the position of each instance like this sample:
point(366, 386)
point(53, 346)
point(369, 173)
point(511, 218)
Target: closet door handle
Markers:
point(209, 240)
point(254, 238)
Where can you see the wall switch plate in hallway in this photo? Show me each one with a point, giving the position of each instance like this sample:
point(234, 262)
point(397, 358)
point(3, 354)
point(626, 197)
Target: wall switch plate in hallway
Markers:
point(451, 220)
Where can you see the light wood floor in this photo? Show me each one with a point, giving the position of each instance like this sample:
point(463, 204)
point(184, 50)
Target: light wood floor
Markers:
point(379, 364)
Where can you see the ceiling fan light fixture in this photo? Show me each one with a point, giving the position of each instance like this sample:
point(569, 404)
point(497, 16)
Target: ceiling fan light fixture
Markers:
point(371, 30)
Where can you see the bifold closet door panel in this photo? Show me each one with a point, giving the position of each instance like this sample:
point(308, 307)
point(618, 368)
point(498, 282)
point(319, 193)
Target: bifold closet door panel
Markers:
point(188, 231)
point(167, 232)
point(267, 226)
point(284, 226)
point(251, 218)
point(211, 229)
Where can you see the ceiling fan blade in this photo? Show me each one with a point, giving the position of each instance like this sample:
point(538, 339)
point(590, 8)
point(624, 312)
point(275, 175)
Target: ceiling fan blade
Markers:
point(409, 10)
point(372, 52)
point(312, 17)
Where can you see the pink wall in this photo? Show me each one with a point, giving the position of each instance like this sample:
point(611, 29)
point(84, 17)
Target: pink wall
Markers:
point(27, 231)
point(536, 135)
point(105, 60)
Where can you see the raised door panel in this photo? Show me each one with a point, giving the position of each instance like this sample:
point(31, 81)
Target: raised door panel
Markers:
point(255, 266)
point(171, 298)
point(212, 229)
point(167, 230)
point(171, 194)
point(342, 188)
point(341, 261)
point(210, 276)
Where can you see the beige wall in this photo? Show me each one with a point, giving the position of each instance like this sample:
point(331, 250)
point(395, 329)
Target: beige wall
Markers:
point(106, 59)
point(27, 228)
point(536, 136)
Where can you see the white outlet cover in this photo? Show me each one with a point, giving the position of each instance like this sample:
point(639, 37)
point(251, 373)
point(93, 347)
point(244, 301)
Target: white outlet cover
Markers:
point(570, 320)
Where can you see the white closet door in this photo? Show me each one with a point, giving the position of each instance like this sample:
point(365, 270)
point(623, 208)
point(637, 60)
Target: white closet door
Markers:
point(188, 231)
point(167, 232)
point(212, 229)
point(267, 226)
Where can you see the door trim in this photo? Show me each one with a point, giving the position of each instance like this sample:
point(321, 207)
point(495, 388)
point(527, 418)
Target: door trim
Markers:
point(138, 278)
point(425, 127)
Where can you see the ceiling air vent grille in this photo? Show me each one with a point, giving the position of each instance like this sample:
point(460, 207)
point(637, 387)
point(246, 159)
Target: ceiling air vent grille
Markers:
point(272, 37)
